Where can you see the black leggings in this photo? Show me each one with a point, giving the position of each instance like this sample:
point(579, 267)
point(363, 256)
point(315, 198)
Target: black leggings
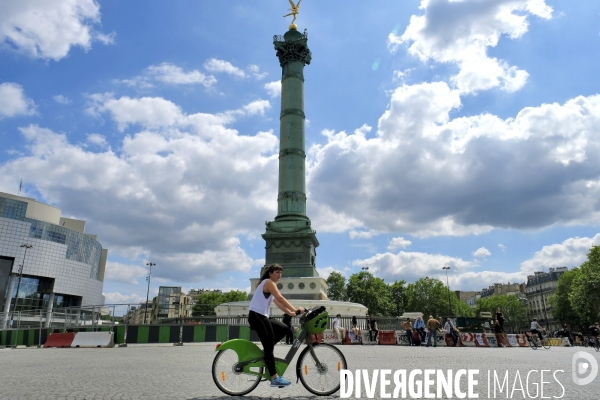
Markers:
point(270, 331)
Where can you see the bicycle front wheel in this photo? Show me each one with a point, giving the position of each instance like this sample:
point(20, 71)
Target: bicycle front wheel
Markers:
point(322, 378)
point(228, 379)
point(546, 343)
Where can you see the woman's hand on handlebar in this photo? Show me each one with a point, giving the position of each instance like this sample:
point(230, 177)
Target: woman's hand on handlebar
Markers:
point(300, 310)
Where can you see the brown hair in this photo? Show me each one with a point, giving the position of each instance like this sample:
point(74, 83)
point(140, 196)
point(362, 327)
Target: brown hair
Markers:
point(269, 269)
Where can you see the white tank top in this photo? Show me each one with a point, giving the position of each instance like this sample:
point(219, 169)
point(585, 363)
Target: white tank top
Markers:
point(259, 304)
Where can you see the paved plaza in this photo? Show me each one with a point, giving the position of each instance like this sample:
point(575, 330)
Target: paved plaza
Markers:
point(168, 372)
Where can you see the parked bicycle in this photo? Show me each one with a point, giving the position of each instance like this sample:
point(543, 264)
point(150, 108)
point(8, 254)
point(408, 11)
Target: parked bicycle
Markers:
point(239, 365)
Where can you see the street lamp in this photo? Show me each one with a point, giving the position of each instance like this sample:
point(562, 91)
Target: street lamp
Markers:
point(26, 246)
point(150, 264)
point(446, 268)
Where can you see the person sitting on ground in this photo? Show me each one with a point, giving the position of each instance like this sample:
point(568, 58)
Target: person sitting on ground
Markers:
point(372, 325)
point(433, 325)
point(408, 329)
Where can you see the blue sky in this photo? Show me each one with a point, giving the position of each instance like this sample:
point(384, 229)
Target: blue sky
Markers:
point(460, 133)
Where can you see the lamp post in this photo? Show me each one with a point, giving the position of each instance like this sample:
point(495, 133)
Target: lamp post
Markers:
point(150, 264)
point(26, 246)
point(446, 268)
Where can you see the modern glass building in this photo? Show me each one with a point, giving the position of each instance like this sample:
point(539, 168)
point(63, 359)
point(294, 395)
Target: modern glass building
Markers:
point(62, 265)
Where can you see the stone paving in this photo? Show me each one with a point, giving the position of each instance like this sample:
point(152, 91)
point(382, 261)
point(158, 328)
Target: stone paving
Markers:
point(168, 372)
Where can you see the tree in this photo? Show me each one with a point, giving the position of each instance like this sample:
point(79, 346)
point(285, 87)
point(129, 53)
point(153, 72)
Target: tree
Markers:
point(560, 303)
point(514, 311)
point(372, 292)
point(235, 295)
point(429, 296)
point(398, 297)
point(336, 286)
point(585, 288)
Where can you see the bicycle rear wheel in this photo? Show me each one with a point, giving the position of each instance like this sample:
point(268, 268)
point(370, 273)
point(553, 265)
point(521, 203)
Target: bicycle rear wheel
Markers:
point(546, 343)
point(533, 343)
point(323, 380)
point(228, 379)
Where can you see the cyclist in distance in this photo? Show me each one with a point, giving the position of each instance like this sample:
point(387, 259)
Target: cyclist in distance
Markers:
point(595, 332)
point(270, 331)
point(536, 328)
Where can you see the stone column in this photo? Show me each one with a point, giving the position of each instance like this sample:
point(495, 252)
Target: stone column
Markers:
point(7, 300)
point(290, 239)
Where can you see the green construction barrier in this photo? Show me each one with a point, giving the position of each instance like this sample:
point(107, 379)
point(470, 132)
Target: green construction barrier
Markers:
point(142, 336)
point(164, 333)
point(119, 334)
point(245, 332)
point(30, 338)
point(221, 333)
point(199, 333)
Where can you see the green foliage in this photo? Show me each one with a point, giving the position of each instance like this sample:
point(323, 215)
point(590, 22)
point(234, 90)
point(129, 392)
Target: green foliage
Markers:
point(514, 311)
point(398, 297)
point(429, 296)
point(208, 301)
point(585, 288)
point(372, 292)
point(560, 303)
point(336, 287)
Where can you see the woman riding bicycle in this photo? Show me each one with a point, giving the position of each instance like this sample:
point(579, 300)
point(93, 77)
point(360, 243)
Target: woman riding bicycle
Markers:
point(270, 331)
point(536, 328)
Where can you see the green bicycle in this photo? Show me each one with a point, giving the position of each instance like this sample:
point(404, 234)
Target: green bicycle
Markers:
point(239, 365)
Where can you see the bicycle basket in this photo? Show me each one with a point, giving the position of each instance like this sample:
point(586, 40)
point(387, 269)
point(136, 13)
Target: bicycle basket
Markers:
point(318, 323)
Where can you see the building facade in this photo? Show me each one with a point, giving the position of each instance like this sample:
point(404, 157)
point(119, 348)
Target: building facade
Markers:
point(62, 265)
point(540, 286)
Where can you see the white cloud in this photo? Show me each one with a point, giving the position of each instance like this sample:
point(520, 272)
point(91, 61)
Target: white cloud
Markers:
point(426, 174)
point(59, 98)
point(399, 243)
point(13, 101)
point(482, 252)
point(48, 29)
point(124, 273)
point(273, 88)
point(97, 139)
point(502, 247)
point(178, 195)
point(255, 72)
point(170, 74)
point(460, 32)
point(118, 298)
point(257, 107)
point(356, 234)
point(215, 65)
point(570, 253)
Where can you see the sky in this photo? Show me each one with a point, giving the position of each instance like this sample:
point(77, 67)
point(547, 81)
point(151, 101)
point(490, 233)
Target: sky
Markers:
point(462, 133)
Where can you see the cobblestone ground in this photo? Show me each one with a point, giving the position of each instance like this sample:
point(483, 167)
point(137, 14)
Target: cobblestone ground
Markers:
point(167, 372)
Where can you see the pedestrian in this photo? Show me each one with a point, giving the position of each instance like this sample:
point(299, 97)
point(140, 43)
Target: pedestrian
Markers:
point(408, 329)
point(419, 326)
point(499, 333)
point(500, 317)
point(372, 325)
point(339, 331)
point(287, 320)
point(432, 325)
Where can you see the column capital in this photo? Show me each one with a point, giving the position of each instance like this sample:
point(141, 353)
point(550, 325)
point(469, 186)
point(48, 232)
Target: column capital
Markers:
point(292, 47)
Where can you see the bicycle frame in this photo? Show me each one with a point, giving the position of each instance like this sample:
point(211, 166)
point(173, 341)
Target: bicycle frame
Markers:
point(251, 356)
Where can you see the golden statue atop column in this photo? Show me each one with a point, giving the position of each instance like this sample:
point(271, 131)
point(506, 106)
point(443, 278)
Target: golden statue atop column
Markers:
point(294, 12)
